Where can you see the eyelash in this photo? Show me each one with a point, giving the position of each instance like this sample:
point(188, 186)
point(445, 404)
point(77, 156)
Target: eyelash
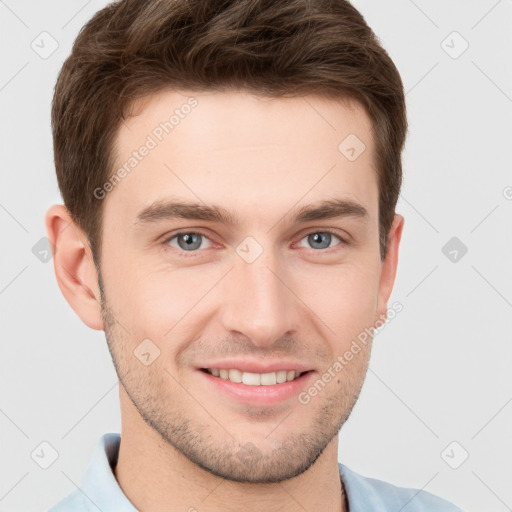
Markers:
point(192, 254)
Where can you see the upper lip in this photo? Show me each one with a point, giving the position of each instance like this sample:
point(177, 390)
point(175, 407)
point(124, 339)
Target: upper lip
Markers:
point(247, 365)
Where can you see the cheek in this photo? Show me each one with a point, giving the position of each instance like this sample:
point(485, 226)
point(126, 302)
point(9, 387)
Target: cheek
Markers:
point(158, 300)
point(344, 298)
point(155, 299)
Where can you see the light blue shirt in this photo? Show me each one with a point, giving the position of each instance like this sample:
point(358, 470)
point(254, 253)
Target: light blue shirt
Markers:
point(99, 490)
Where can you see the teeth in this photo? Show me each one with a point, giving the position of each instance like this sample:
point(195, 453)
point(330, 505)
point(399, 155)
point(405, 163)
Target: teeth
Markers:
point(281, 376)
point(251, 379)
point(235, 375)
point(267, 379)
point(255, 379)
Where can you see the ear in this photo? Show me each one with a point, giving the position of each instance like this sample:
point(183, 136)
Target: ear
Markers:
point(74, 266)
point(389, 265)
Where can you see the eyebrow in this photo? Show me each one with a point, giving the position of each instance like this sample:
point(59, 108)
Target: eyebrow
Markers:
point(167, 210)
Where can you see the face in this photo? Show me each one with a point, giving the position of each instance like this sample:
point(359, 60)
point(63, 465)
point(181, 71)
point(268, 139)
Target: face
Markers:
point(271, 276)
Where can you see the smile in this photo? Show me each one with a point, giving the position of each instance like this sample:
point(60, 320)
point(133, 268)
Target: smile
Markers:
point(254, 379)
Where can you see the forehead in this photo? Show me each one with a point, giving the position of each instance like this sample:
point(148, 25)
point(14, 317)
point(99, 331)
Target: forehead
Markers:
point(235, 148)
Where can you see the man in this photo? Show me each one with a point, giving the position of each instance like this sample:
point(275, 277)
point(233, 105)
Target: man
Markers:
point(230, 172)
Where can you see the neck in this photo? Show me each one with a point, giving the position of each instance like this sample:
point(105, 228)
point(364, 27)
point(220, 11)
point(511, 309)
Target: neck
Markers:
point(156, 478)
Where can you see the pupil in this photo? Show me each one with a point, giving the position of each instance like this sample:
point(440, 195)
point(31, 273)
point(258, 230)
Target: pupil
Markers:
point(321, 238)
point(189, 241)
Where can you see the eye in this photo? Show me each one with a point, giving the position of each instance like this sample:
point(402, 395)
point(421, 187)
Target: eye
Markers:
point(192, 241)
point(188, 241)
point(321, 239)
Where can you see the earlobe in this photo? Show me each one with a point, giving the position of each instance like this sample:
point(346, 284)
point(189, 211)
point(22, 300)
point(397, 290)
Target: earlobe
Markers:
point(74, 266)
point(389, 265)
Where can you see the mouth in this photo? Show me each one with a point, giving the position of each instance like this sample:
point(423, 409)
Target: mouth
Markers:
point(257, 389)
point(254, 379)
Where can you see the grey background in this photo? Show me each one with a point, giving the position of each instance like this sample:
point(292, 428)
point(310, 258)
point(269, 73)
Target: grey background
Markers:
point(440, 371)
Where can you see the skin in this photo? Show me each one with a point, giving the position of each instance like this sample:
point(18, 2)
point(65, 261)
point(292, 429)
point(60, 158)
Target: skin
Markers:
point(185, 444)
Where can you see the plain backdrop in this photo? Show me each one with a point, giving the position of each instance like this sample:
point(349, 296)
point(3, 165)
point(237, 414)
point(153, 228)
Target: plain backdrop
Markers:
point(436, 408)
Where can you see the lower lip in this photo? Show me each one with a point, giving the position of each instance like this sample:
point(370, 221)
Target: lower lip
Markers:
point(259, 395)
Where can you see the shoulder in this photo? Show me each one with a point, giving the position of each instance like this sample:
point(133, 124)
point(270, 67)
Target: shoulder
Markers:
point(364, 492)
point(98, 488)
point(73, 502)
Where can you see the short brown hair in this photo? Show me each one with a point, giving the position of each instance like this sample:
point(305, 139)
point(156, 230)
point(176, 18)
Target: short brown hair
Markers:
point(134, 48)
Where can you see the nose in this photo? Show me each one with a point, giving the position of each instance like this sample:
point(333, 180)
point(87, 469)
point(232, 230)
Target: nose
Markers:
point(257, 303)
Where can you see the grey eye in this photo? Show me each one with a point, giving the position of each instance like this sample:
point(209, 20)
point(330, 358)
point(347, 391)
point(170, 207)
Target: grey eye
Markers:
point(188, 241)
point(320, 239)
